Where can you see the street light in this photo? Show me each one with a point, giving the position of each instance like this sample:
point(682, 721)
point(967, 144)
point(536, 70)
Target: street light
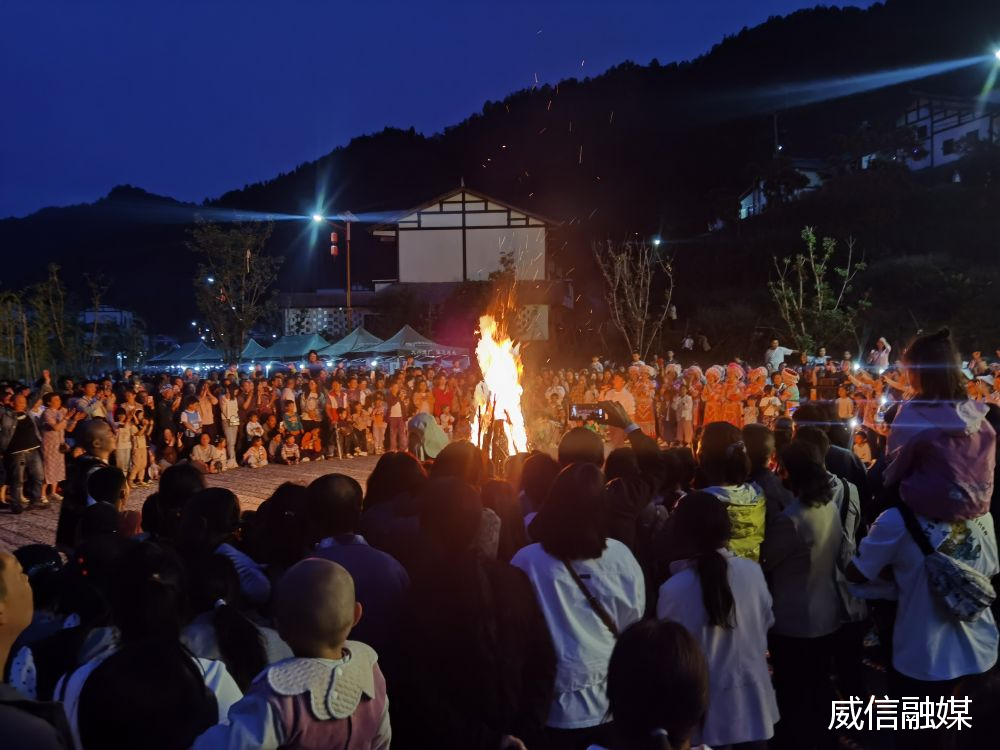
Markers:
point(997, 55)
point(656, 242)
point(317, 218)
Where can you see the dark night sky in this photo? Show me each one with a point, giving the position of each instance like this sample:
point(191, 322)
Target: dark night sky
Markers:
point(190, 98)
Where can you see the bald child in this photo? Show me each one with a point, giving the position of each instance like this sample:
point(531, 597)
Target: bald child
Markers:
point(331, 693)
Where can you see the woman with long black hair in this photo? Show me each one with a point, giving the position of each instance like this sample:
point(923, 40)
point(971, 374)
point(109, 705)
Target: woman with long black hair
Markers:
point(471, 617)
point(590, 588)
point(800, 553)
point(657, 687)
point(220, 630)
point(724, 603)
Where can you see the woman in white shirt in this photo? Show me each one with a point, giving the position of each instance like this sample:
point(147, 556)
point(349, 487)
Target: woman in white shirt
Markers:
point(724, 603)
point(800, 554)
point(590, 588)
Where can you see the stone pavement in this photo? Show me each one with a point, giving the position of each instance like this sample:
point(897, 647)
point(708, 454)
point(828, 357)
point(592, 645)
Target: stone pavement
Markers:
point(252, 486)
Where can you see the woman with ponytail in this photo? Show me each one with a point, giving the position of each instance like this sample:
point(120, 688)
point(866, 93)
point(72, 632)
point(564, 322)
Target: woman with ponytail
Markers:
point(220, 630)
point(657, 687)
point(724, 471)
point(724, 603)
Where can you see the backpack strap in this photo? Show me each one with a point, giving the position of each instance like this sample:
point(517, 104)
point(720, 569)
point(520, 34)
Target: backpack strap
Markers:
point(592, 600)
point(913, 526)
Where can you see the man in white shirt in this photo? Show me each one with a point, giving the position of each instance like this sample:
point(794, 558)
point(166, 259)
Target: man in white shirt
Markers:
point(620, 395)
point(774, 357)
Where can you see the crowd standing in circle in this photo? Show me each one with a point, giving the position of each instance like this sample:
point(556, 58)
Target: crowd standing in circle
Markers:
point(686, 558)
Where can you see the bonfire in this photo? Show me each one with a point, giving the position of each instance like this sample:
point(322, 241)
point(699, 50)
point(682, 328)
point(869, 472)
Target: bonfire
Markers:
point(497, 416)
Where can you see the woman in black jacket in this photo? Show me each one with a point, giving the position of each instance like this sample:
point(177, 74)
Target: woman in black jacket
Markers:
point(481, 662)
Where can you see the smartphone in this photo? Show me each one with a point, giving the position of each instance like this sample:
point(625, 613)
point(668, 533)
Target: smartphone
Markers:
point(586, 412)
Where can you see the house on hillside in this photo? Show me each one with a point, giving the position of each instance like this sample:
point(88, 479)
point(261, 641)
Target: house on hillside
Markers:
point(810, 174)
point(946, 125)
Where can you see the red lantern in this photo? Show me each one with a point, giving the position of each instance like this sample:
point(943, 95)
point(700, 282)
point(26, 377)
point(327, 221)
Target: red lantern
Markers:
point(333, 250)
point(333, 238)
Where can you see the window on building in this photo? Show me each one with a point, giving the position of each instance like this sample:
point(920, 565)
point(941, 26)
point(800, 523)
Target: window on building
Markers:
point(948, 147)
point(922, 131)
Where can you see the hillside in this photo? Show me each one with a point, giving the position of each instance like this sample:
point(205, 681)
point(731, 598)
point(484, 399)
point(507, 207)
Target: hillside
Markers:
point(642, 148)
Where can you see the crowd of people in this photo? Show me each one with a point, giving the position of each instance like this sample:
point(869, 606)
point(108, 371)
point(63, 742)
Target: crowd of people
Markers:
point(725, 574)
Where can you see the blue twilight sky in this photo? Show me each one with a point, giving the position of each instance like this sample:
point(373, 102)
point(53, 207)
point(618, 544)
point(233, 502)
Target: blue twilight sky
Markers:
point(190, 98)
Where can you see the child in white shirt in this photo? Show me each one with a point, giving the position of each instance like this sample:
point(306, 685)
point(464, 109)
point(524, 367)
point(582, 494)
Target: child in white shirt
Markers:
point(845, 407)
point(256, 454)
point(447, 421)
point(683, 405)
point(770, 406)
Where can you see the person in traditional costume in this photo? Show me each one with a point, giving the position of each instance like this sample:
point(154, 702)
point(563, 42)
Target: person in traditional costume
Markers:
point(714, 395)
point(734, 394)
point(790, 389)
point(644, 393)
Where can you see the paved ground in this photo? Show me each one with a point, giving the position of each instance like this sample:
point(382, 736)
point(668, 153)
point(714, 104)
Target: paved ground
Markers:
point(252, 486)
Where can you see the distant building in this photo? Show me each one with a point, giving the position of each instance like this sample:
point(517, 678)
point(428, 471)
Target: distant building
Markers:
point(753, 201)
point(945, 126)
point(464, 236)
point(324, 311)
point(458, 237)
point(461, 236)
point(107, 315)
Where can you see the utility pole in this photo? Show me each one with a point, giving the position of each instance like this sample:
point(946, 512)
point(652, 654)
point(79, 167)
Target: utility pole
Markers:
point(349, 218)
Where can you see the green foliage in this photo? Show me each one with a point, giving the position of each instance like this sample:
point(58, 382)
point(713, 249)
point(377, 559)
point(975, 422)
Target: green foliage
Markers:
point(240, 293)
point(816, 298)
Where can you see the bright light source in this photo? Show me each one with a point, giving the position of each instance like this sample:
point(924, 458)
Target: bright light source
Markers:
point(853, 423)
point(317, 218)
point(997, 54)
point(374, 363)
point(856, 367)
point(656, 242)
point(210, 279)
point(193, 323)
point(780, 147)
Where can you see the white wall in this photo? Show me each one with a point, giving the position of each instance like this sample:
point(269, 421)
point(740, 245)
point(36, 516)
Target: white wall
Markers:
point(430, 255)
point(485, 246)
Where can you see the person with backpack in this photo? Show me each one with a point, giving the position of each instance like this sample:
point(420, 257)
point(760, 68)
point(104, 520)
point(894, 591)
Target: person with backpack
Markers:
point(939, 551)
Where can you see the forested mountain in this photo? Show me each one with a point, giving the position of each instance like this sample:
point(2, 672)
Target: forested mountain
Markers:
point(654, 149)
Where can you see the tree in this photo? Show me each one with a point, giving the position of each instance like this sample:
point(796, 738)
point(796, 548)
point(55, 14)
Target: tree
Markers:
point(98, 286)
point(235, 275)
point(637, 308)
point(813, 298)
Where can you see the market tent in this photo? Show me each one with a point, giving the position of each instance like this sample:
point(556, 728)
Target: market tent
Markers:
point(358, 340)
point(176, 354)
point(296, 347)
point(201, 353)
point(253, 350)
point(408, 341)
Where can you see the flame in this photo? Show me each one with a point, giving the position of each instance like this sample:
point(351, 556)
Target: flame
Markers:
point(499, 395)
